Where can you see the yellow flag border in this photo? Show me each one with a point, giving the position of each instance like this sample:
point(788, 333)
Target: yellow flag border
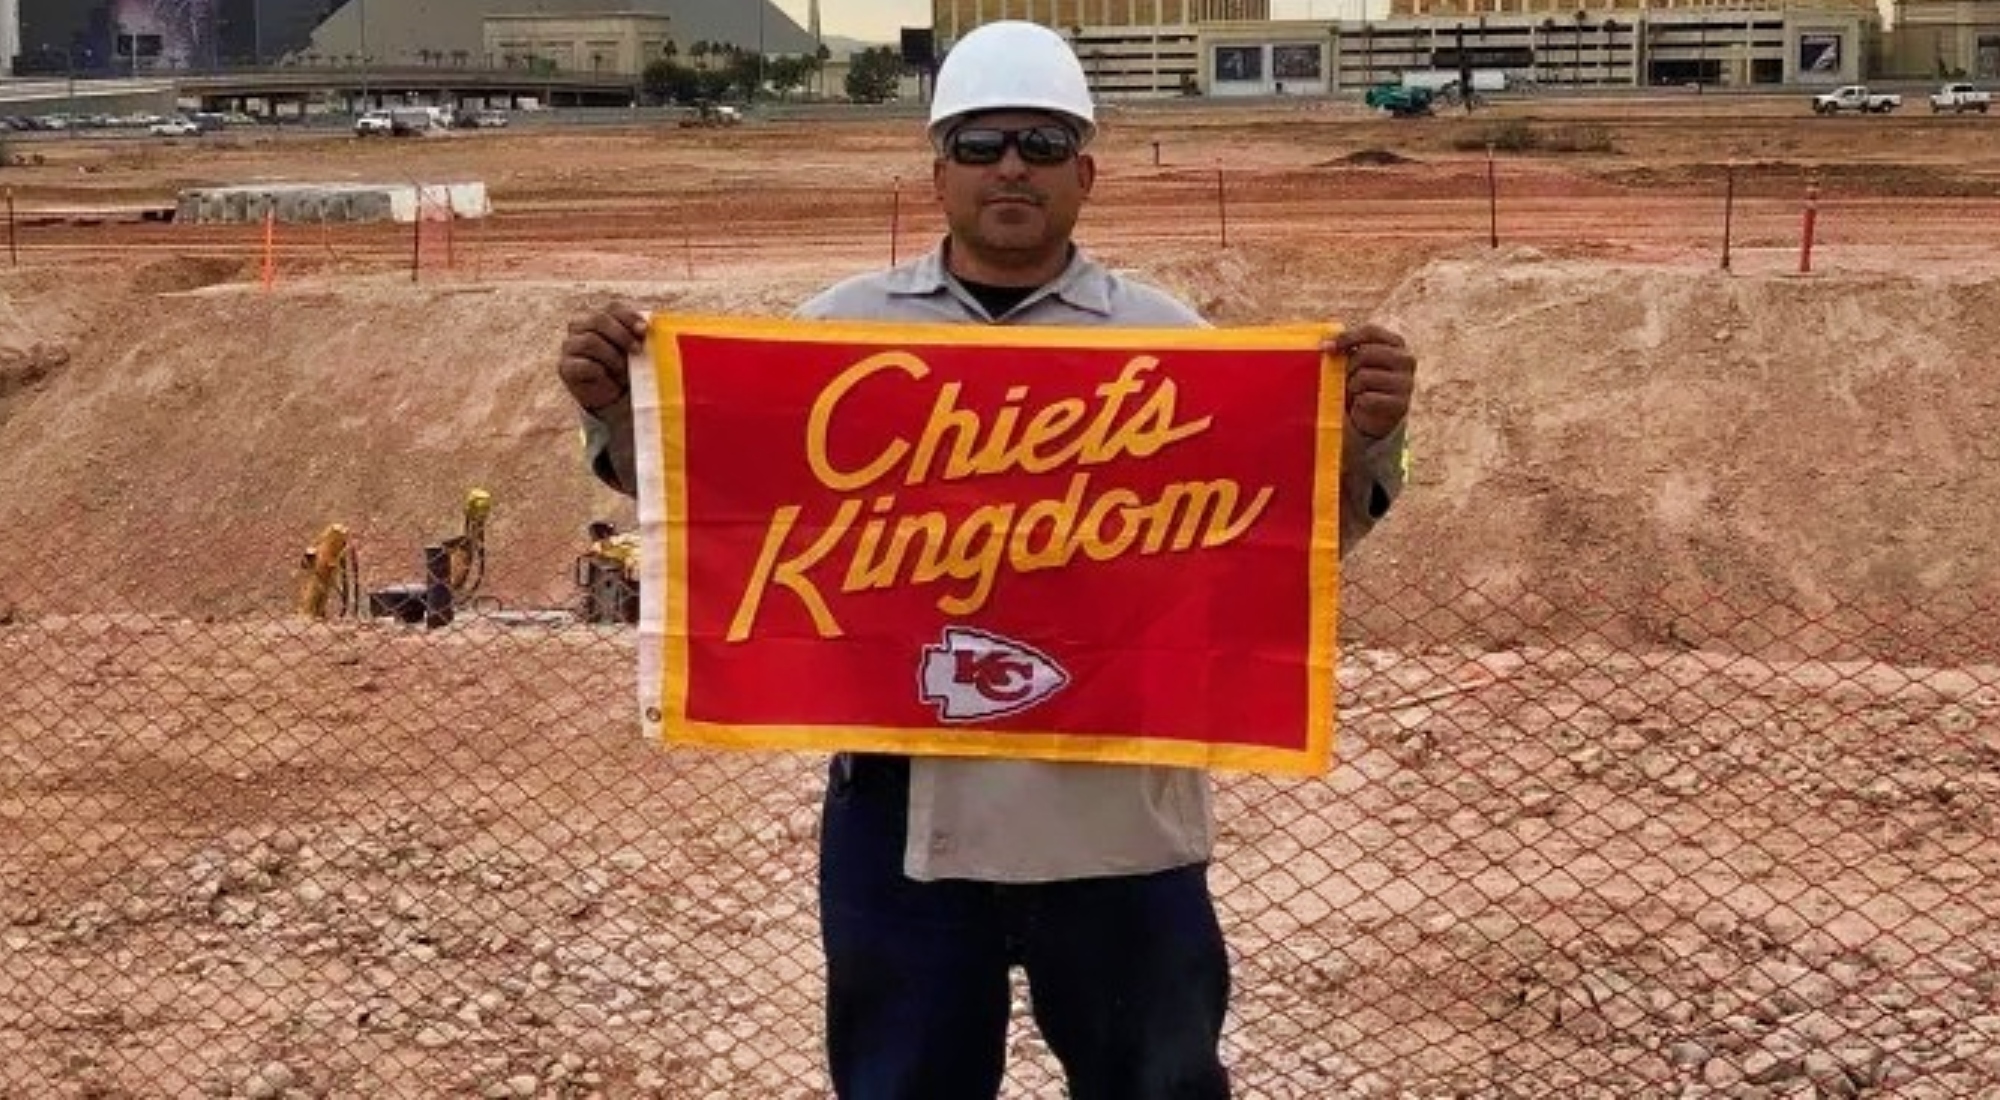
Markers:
point(660, 402)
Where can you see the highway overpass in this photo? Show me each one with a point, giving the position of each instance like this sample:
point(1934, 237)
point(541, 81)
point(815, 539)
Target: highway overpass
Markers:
point(290, 90)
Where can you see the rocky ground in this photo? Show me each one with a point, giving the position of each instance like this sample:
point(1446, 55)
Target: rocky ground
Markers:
point(1671, 729)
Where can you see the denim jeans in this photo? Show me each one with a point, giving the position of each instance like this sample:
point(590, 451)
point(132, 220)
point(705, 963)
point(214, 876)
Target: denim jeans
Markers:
point(1128, 975)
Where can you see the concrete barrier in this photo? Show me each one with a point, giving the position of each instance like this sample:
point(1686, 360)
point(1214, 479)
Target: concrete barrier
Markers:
point(317, 203)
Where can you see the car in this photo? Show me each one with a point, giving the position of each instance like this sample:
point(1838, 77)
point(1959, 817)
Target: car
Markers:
point(490, 120)
point(1855, 97)
point(374, 122)
point(174, 127)
point(1958, 98)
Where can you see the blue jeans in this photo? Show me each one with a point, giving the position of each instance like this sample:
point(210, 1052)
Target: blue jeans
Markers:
point(1129, 975)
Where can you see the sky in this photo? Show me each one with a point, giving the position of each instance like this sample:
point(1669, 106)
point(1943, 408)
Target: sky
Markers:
point(880, 20)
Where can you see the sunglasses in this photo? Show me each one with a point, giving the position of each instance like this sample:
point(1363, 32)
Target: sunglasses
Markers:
point(1038, 145)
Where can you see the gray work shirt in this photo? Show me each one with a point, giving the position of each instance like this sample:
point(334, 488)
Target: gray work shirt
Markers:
point(1025, 820)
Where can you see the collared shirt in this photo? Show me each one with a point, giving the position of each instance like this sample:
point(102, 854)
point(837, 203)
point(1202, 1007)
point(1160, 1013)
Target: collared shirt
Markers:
point(1026, 820)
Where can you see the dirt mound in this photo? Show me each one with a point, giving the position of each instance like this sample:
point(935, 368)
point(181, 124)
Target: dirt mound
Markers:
point(21, 368)
point(1689, 458)
point(1367, 158)
point(184, 273)
point(1633, 454)
point(1782, 177)
point(196, 443)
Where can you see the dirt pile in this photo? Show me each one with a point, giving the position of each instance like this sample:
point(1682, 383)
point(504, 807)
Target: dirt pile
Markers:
point(196, 442)
point(1670, 456)
point(1690, 458)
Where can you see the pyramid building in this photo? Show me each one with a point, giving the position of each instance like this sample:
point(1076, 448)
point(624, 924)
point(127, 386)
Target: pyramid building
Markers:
point(403, 30)
point(56, 35)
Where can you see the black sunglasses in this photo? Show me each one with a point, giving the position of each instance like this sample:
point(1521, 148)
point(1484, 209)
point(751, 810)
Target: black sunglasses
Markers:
point(1039, 145)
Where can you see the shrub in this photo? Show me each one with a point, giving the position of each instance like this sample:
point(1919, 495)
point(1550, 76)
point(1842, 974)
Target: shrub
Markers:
point(1518, 135)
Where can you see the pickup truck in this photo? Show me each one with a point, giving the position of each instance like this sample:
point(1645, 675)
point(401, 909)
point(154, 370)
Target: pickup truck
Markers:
point(1855, 97)
point(1959, 97)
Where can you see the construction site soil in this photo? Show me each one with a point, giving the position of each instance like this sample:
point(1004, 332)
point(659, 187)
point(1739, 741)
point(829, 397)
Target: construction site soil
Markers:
point(388, 862)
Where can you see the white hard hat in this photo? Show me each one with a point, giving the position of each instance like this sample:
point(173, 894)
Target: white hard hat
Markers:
point(1011, 65)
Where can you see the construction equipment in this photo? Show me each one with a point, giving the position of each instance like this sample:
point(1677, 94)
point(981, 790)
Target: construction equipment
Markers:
point(454, 570)
point(1402, 100)
point(330, 577)
point(708, 113)
point(467, 551)
point(608, 575)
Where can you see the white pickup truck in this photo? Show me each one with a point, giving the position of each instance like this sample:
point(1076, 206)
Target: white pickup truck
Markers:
point(1855, 97)
point(1959, 97)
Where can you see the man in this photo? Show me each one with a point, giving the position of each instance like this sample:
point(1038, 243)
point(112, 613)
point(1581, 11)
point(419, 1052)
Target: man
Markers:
point(939, 875)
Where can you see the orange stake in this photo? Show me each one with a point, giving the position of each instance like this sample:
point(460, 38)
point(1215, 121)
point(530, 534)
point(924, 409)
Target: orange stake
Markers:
point(270, 247)
point(1807, 230)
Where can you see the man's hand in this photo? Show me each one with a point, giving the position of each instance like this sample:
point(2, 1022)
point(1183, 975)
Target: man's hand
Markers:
point(597, 352)
point(1381, 375)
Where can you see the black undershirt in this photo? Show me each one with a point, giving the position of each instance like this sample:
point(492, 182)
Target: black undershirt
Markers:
point(997, 301)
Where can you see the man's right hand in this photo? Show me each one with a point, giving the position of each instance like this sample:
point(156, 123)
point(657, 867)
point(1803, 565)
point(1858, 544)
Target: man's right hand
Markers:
point(596, 355)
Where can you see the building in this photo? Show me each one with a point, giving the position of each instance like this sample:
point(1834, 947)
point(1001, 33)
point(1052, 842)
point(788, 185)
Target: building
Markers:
point(621, 44)
point(1567, 9)
point(87, 34)
point(10, 32)
point(1605, 49)
point(951, 19)
point(1945, 39)
point(398, 32)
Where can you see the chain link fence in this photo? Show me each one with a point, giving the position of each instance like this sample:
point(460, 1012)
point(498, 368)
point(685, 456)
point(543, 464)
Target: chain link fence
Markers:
point(1615, 839)
point(262, 856)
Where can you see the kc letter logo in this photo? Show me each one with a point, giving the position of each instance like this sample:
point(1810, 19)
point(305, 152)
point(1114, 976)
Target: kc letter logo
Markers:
point(975, 675)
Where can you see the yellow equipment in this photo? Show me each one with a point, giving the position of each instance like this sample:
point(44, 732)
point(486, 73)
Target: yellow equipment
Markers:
point(467, 552)
point(608, 574)
point(330, 577)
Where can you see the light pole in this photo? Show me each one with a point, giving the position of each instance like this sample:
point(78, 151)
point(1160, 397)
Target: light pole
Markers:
point(1701, 55)
point(69, 69)
point(361, 14)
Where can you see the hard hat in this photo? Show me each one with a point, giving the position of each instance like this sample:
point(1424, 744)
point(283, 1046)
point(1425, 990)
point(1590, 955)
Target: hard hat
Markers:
point(1011, 65)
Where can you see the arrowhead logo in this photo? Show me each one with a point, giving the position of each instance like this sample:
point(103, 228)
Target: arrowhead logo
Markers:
point(975, 675)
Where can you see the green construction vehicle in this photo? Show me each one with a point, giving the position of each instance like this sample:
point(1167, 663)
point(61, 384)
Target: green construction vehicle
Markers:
point(1402, 101)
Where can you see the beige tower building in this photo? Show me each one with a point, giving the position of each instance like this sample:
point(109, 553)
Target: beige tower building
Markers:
point(1564, 9)
point(951, 19)
point(1946, 39)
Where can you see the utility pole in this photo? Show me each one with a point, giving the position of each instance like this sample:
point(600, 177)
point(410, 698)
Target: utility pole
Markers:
point(758, 91)
point(361, 12)
point(256, 34)
point(69, 66)
point(819, 48)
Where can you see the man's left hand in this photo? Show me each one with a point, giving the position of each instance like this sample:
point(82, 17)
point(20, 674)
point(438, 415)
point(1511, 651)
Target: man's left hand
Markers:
point(1381, 376)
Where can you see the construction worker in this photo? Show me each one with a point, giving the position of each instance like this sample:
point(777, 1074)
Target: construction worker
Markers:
point(937, 875)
